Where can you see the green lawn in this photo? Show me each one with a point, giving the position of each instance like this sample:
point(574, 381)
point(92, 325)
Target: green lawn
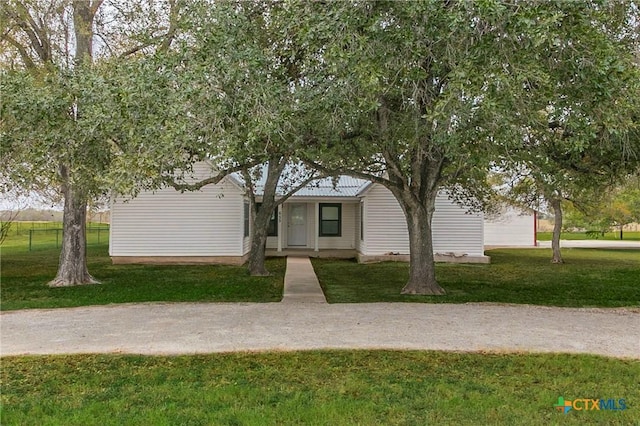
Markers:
point(25, 274)
point(316, 388)
point(628, 236)
point(591, 277)
point(606, 278)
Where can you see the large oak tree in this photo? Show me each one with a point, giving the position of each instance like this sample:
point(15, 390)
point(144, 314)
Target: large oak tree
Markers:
point(76, 115)
point(425, 96)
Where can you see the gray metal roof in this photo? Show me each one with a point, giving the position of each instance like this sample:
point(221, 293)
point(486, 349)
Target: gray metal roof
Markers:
point(345, 186)
point(342, 186)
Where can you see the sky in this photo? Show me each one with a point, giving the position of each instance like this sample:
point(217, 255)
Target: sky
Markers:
point(13, 201)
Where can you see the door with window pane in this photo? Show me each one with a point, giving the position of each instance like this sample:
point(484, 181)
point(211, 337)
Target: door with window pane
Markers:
point(297, 225)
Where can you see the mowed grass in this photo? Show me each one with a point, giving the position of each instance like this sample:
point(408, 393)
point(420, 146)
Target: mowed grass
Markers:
point(590, 277)
point(627, 236)
point(316, 388)
point(25, 275)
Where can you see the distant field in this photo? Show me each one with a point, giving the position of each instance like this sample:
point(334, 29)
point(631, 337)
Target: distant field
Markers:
point(627, 235)
point(23, 227)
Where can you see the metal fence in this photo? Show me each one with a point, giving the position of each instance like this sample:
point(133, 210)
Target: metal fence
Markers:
point(50, 237)
point(23, 228)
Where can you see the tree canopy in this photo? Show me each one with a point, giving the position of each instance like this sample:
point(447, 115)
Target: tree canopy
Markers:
point(421, 97)
point(583, 133)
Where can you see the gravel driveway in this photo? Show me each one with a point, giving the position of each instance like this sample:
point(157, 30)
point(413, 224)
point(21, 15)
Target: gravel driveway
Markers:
point(186, 328)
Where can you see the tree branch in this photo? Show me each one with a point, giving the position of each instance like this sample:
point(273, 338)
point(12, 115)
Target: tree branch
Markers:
point(209, 181)
point(139, 47)
point(250, 188)
point(95, 6)
point(173, 26)
point(36, 34)
point(166, 38)
point(298, 187)
point(394, 167)
point(349, 172)
point(28, 62)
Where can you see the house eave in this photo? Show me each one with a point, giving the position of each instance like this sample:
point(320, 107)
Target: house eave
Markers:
point(313, 199)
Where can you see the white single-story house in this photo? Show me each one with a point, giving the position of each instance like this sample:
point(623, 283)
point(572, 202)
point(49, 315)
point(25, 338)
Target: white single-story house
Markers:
point(511, 227)
point(354, 218)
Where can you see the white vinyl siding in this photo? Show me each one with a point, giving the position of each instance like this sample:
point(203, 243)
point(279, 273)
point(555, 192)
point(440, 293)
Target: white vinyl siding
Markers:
point(510, 228)
point(385, 227)
point(455, 230)
point(169, 223)
point(272, 242)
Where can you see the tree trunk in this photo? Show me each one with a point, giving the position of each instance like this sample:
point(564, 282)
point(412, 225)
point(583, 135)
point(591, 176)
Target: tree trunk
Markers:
point(257, 254)
point(422, 268)
point(83, 15)
point(262, 216)
point(621, 232)
point(557, 228)
point(72, 266)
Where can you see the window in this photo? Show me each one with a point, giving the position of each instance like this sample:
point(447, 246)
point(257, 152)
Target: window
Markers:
point(246, 219)
point(361, 221)
point(330, 220)
point(272, 229)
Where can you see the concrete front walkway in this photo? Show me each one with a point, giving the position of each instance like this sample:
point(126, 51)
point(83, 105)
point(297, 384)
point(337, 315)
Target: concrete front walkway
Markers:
point(300, 282)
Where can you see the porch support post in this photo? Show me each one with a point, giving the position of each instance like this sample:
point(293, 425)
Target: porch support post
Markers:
point(316, 234)
point(279, 223)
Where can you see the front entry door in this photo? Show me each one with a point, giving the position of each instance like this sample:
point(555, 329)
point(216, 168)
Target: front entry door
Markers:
point(297, 225)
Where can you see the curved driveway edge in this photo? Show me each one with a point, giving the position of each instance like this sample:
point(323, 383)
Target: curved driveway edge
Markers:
point(604, 244)
point(185, 328)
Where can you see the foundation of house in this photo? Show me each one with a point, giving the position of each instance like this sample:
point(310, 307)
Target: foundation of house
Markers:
point(438, 257)
point(330, 253)
point(179, 260)
point(327, 253)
